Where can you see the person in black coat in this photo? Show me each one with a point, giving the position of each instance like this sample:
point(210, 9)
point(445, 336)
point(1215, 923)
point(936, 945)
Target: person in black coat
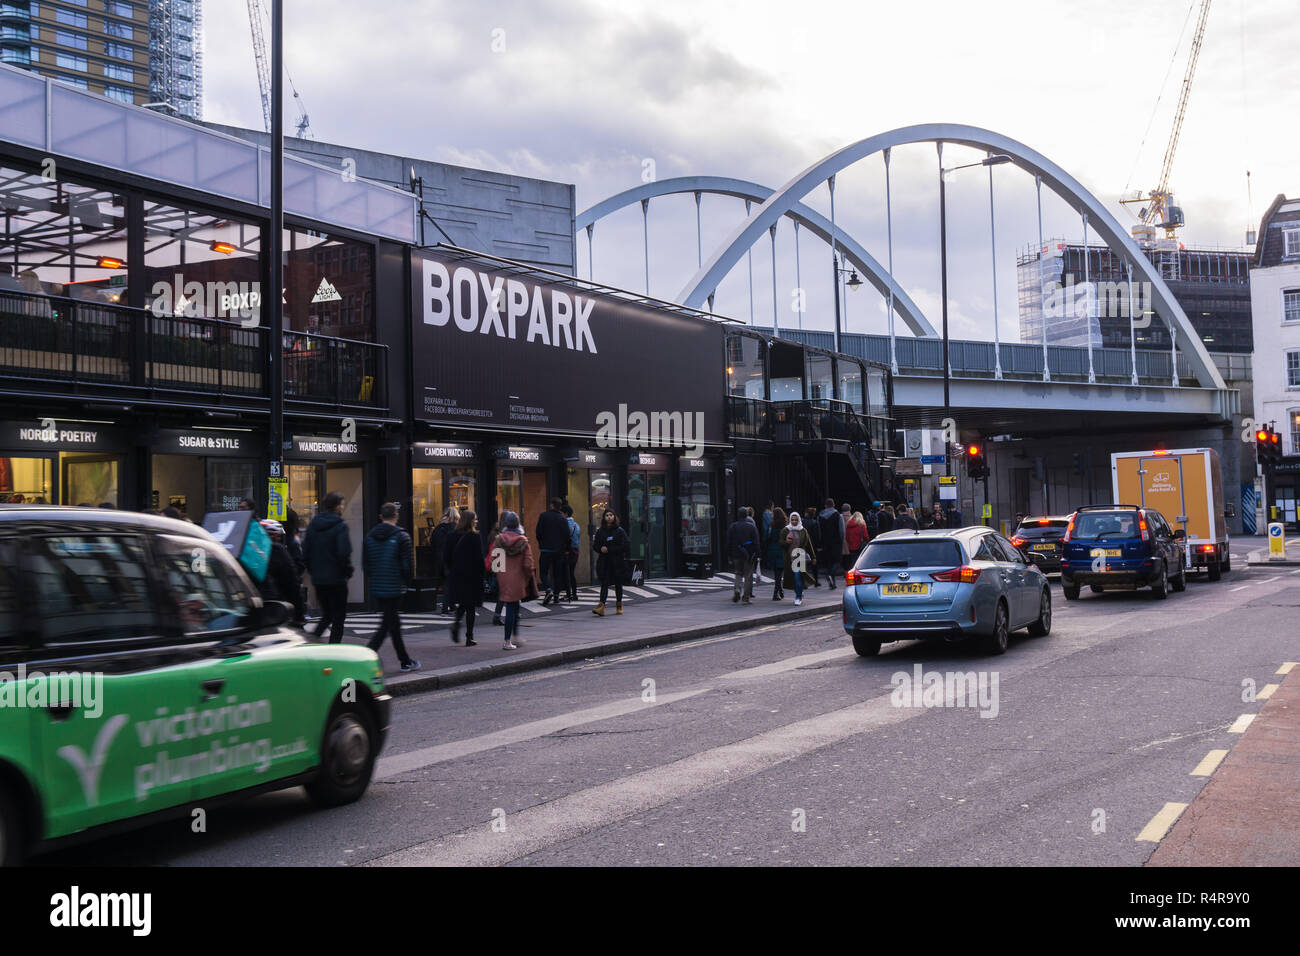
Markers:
point(327, 551)
point(552, 538)
point(465, 573)
point(610, 544)
point(281, 582)
point(812, 526)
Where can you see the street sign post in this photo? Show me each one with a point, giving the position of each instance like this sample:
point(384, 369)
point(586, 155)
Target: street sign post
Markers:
point(1276, 541)
point(947, 487)
point(277, 497)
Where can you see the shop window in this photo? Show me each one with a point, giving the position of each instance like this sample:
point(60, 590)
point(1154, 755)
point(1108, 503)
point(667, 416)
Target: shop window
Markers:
point(745, 367)
point(200, 265)
point(61, 239)
point(328, 283)
point(461, 485)
point(26, 481)
point(230, 480)
point(91, 587)
point(697, 514)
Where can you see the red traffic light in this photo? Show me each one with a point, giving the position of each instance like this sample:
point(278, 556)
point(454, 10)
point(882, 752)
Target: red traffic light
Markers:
point(973, 450)
point(1261, 436)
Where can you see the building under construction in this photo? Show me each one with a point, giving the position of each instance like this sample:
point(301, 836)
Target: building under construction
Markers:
point(1082, 294)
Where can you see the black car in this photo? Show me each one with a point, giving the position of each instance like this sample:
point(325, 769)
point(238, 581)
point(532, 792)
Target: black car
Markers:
point(1041, 537)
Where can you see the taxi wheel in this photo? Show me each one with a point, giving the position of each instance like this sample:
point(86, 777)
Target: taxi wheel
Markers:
point(347, 757)
point(996, 643)
point(1160, 589)
point(1043, 626)
point(11, 843)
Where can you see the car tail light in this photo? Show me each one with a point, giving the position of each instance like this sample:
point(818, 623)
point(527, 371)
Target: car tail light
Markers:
point(1018, 542)
point(1069, 530)
point(963, 575)
point(1142, 526)
point(857, 577)
point(1207, 547)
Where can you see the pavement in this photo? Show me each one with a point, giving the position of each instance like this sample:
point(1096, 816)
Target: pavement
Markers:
point(1256, 548)
point(658, 612)
point(1249, 812)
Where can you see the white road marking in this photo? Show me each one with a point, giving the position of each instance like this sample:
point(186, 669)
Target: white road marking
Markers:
point(1208, 763)
point(1242, 588)
point(1155, 831)
point(1241, 723)
point(639, 592)
point(555, 821)
point(427, 756)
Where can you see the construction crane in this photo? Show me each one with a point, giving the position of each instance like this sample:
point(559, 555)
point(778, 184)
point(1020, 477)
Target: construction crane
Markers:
point(255, 20)
point(1158, 207)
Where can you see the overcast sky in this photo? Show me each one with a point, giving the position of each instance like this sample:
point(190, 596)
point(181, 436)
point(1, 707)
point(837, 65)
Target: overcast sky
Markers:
point(585, 91)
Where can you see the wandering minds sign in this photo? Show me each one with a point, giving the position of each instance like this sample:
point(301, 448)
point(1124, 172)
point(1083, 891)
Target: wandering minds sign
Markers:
point(500, 351)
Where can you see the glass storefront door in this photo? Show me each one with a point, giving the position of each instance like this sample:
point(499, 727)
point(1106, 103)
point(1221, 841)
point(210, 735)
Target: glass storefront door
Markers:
point(434, 490)
point(698, 521)
point(89, 479)
point(523, 491)
point(647, 530)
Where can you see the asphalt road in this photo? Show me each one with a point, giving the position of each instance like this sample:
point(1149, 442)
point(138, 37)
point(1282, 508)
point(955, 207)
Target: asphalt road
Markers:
point(779, 745)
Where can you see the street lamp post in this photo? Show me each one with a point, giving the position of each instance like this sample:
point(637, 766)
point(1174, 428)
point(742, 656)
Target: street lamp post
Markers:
point(995, 160)
point(854, 284)
point(276, 243)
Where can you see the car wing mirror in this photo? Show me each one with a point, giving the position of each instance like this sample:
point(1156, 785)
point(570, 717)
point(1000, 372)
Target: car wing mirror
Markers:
point(1180, 534)
point(271, 614)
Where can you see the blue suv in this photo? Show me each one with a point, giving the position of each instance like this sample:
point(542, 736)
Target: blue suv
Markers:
point(1121, 547)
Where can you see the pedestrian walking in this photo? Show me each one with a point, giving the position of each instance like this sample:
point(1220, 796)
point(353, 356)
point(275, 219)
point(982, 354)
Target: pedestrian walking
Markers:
point(571, 556)
point(756, 571)
point(812, 527)
point(438, 545)
point(465, 570)
point(855, 536)
point(387, 560)
point(327, 553)
point(904, 519)
point(281, 582)
point(610, 545)
point(245, 504)
point(775, 552)
point(872, 516)
point(491, 582)
point(742, 548)
point(799, 554)
point(513, 553)
point(553, 540)
point(938, 519)
point(765, 530)
point(885, 519)
point(830, 524)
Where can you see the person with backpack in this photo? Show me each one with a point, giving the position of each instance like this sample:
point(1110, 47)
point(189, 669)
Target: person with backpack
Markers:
point(904, 519)
point(518, 570)
point(610, 545)
point(387, 560)
point(552, 535)
point(742, 548)
point(571, 556)
point(799, 553)
point(281, 582)
point(830, 524)
point(327, 552)
point(465, 571)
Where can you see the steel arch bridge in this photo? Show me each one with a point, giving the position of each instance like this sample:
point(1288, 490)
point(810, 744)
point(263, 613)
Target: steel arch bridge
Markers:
point(800, 214)
point(786, 201)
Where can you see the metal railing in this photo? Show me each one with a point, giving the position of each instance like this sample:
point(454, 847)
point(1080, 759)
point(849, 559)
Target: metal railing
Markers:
point(52, 340)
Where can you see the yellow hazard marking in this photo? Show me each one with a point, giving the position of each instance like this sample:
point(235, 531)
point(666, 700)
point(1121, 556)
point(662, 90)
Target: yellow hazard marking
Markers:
point(1212, 760)
point(1155, 831)
point(1266, 692)
point(1241, 723)
point(1286, 668)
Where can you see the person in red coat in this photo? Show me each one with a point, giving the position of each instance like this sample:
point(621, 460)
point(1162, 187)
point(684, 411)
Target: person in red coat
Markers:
point(512, 555)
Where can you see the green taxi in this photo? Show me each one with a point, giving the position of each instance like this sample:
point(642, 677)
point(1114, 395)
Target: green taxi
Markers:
point(141, 676)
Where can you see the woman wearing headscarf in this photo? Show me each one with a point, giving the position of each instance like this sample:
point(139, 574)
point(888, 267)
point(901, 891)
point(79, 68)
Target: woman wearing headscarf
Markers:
point(519, 570)
point(775, 554)
point(798, 547)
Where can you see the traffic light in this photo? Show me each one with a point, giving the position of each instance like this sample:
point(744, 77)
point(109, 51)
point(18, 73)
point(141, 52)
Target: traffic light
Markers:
point(1268, 446)
point(976, 466)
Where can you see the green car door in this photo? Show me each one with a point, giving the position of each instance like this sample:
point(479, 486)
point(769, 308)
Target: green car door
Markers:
point(106, 709)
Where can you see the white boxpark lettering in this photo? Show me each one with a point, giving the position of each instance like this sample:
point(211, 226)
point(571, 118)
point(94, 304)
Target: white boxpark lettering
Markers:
point(563, 320)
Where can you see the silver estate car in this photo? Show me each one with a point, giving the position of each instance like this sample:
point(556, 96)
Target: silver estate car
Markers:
point(948, 584)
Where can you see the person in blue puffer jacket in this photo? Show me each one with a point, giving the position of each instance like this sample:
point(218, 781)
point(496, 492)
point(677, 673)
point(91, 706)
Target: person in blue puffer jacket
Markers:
point(386, 558)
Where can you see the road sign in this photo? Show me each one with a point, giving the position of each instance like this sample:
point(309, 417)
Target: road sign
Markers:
point(947, 479)
point(1276, 541)
point(275, 468)
point(933, 459)
point(277, 496)
point(988, 512)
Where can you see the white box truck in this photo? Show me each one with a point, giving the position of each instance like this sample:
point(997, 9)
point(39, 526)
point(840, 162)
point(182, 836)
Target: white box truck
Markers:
point(1186, 486)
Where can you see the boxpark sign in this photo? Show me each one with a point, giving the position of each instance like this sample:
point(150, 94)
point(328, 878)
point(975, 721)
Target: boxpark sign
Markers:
point(502, 352)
